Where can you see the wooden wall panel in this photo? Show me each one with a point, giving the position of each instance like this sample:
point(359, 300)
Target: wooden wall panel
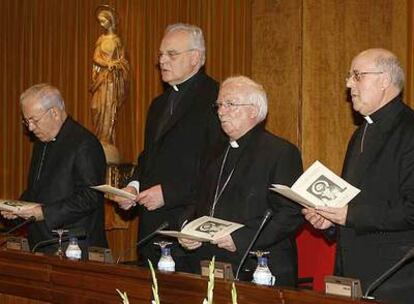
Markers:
point(410, 54)
point(333, 33)
point(299, 50)
point(301, 53)
point(53, 41)
point(277, 62)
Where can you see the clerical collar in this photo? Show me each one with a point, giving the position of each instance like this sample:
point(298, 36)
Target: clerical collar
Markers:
point(392, 107)
point(234, 144)
point(182, 85)
point(242, 141)
point(368, 119)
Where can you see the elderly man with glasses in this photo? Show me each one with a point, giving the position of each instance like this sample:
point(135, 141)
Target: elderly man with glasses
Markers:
point(376, 229)
point(67, 159)
point(236, 182)
point(181, 126)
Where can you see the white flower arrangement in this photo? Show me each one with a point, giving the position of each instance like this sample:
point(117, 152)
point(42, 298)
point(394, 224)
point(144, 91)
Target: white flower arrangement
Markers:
point(154, 285)
point(210, 287)
point(123, 295)
point(233, 294)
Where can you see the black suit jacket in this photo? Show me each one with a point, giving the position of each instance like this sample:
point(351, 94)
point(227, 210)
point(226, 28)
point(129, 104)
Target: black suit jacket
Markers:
point(71, 163)
point(172, 156)
point(263, 159)
point(380, 221)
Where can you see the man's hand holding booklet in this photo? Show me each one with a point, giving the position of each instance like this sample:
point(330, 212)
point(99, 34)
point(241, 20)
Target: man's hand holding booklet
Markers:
point(318, 186)
point(204, 229)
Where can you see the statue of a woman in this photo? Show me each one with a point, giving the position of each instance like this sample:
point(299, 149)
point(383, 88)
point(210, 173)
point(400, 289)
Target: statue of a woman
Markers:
point(109, 81)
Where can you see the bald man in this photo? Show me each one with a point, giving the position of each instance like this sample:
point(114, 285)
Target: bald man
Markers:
point(376, 229)
point(66, 160)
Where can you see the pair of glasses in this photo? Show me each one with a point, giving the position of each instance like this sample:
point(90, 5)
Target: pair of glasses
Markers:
point(172, 54)
point(229, 105)
point(34, 121)
point(356, 75)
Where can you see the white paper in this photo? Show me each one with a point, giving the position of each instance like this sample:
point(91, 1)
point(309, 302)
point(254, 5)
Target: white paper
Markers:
point(204, 229)
point(15, 205)
point(108, 189)
point(319, 186)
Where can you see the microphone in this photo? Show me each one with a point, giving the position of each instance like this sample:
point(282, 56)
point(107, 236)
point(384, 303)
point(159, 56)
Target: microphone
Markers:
point(374, 285)
point(145, 239)
point(31, 219)
point(266, 217)
point(80, 234)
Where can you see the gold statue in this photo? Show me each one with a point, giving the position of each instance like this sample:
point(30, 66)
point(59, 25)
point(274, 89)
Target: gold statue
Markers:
point(109, 81)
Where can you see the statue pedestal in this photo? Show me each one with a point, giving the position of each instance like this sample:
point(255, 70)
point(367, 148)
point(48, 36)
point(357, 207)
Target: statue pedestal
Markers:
point(121, 226)
point(111, 153)
point(117, 175)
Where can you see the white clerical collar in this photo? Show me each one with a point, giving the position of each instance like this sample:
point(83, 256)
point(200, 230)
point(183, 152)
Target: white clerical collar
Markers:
point(368, 119)
point(234, 144)
point(175, 86)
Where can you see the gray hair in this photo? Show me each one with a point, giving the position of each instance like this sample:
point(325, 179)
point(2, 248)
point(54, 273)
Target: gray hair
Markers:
point(255, 93)
point(47, 95)
point(196, 37)
point(392, 66)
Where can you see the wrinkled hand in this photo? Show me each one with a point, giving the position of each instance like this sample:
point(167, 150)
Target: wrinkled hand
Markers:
point(125, 203)
point(9, 215)
point(189, 244)
point(335, 215)
point(316, 220)
point(226, 242)
point(151, 198)
point(35, 211)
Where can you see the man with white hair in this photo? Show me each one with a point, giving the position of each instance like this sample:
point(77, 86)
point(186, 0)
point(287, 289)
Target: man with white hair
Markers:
point(180, 128)
point(376, 229)
point(236, 184)
point(67, 159)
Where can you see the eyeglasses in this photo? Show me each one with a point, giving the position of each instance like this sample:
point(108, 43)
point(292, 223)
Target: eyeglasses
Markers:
point(356, 75)
point(172, 54)
point(34, 121)
point(229, 105)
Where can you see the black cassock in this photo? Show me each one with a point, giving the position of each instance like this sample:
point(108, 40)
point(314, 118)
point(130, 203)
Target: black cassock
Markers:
point(380, 221)
point(243, 196)
point(60, 175)
point(181, 126)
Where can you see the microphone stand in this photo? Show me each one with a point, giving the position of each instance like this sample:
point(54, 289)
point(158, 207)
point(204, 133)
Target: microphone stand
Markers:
point(409, 255)
point(267, 215)
point(144, 240)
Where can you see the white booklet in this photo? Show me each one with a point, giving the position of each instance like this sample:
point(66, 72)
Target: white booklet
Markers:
point(15, 205)
point(204, 229)
point(318, 186)
point(108, 189)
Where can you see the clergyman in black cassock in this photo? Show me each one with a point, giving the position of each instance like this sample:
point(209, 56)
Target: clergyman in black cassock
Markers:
point(376, 229)
point(67, 159)
point(235, 186)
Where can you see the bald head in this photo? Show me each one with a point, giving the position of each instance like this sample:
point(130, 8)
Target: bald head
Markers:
point(375, 79)
point(387, 62)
